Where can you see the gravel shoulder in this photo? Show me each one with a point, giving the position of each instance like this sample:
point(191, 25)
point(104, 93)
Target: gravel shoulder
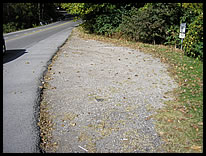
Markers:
point(100, 98)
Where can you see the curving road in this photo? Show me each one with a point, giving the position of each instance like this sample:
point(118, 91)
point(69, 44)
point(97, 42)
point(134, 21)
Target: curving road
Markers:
point(24, 62)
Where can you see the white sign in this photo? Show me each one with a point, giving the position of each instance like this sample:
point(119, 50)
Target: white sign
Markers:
point(182, 35)
point(182, 27)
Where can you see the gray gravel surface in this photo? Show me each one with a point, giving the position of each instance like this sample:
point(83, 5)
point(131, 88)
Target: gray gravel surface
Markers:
point(101, 98)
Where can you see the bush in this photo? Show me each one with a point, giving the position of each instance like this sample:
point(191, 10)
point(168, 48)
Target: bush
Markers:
point(150, 23)
point(103, 25)
point(104, 21)
point(9, 27)
point(172, 36)
point(193, 42)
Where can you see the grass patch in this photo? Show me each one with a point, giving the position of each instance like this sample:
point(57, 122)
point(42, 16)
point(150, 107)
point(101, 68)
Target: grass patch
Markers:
point(180, 122)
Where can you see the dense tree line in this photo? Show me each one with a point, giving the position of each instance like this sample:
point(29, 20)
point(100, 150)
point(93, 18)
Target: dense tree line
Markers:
point(18, 16)
point(156, 23)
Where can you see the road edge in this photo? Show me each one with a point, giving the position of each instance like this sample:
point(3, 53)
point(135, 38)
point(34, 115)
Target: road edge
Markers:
point(40, 90)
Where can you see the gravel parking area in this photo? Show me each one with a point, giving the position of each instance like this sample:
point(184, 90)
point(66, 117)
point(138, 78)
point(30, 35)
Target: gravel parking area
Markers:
point(101, 98)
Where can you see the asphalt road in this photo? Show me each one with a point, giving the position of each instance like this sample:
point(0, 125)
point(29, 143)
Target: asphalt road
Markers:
point(27, 56)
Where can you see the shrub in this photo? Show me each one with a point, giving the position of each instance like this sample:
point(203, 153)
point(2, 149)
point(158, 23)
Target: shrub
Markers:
point(172, 36)
point(105, 20)
point(150, 23)
point(193, 42)
point(9, 27)
point(106, 24)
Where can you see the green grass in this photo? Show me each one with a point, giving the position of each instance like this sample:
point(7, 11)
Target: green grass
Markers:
point(180, 122)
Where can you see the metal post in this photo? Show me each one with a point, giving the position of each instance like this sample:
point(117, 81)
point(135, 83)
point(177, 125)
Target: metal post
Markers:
point(181, 43)
point(182, 32)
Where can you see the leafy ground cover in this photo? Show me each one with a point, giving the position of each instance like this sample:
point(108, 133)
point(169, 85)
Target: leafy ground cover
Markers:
point(180, 122)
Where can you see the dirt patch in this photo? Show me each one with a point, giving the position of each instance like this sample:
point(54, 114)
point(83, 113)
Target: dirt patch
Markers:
point(101, 98)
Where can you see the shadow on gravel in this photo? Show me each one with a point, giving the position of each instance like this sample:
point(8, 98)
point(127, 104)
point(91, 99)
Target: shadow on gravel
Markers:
point(11, 55)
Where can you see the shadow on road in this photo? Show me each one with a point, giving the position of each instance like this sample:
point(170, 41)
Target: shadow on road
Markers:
point(11, 55)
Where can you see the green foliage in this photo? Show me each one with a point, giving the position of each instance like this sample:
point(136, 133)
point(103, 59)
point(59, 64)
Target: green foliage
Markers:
point(75, 8)
point(102, 18)
point(103, 25)
point(156, 23)
point(193, 42)
point(196, 8)
point(92, 14)
point(150, 23)
point(107, 24)
point(172, 36)
point(9, 27)
point(18, 16)
point(82, 10)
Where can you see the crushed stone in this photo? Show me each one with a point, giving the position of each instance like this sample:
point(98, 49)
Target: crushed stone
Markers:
point(101, 98)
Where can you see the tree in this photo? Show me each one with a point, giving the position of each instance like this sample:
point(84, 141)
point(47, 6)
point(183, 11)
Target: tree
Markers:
point(100, 18)
point(25, 15)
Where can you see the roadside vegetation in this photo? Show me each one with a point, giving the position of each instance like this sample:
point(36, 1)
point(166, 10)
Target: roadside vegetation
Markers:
point(154, 23)
point(180, 122)
point(18, 16)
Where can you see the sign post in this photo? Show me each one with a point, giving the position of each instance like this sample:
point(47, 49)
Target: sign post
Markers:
point(182, 32)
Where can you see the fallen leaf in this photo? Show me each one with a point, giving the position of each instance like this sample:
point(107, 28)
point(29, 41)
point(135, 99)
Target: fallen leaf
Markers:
point(90, 125)
point(161, 133)
point(182, 110)
point(73, 124)
point(170, 120)
point(195, 127)
point(187, 147)
point(148, 118)
point(200, 123)
point(197, 148)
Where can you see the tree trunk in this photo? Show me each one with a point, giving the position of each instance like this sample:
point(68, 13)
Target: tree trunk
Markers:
point(39, 11)
point(154, 41)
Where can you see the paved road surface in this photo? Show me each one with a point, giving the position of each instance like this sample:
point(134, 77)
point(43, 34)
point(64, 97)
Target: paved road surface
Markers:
point(24, 62)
